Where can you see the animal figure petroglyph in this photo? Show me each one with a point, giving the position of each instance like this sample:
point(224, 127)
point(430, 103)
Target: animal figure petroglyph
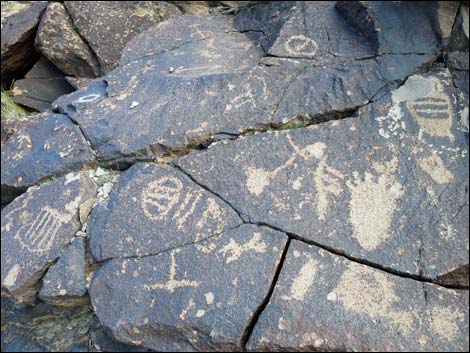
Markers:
point(172, 284)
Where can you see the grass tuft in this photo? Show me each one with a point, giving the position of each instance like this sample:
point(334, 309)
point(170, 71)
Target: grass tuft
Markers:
point(10, 109)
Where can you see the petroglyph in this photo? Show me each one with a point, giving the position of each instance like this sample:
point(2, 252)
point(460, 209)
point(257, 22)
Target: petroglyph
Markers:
point(187, 207)
point(258, 178)
point(302, 282)
point(434, 116)
point(365, 291)
point(327, 181)
point(172, 284)
point(445, 321)
point(232, 251)
point(373, 202)
point(302, 46)
point(40, 234)
point(24, 144)
point(160, 197)
point(435, 167)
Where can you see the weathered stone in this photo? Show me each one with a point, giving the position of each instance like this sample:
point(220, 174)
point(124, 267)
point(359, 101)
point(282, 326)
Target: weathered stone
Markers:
point(78, 82)
point(10, 126)
point(108, 25)
point(392, 190)
point(199, 297)
point(58, 40)
point(49, 142)
point(459, 40)
point(17, 49)
point(155, 208)
point(39, 93)
point(325, 302)
point(65, 281)
point(44, 328)
point(43, 68)
point(194, 60)
point(35, 229)
point(401, 28)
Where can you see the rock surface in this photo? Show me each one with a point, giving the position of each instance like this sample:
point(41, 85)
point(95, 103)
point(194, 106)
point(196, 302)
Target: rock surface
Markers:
point(325, 302)
point(58, 40)
point(65, 281)
point(108, 25)
point(392, 191)
point(49, 142)
point(17, 49)
point(190, 298)
point(35, 229)
point(155, 208)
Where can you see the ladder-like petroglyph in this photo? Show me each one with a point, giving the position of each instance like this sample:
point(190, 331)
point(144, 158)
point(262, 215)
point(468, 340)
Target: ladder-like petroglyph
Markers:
point(160, 197)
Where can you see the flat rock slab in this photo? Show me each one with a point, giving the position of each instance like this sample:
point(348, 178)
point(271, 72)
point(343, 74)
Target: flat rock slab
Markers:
point(35, 229)
point(389, 186)
point(212, 81)
point(154, 208)
point(65, 281)
point(17, 49)
point(325, 302)
point(108, 25)
point(199, 297)
point(47, 145)
point(59, 41)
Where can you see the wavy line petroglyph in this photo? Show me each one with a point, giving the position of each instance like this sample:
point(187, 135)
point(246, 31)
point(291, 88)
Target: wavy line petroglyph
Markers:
point(299, 45)
point(40, 234)
point(434, 116)
point(172, 284)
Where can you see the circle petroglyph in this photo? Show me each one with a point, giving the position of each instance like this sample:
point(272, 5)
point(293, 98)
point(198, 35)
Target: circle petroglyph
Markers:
point(161, 195)
point(300, 45)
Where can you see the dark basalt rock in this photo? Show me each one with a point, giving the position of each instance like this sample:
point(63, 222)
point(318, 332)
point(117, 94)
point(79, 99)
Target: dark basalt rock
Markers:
point(325, 302)
point(58, 40)
point(393, 190)
point(155, 208)
point(18, 31)
point(65, 281)
point(108, 25)
point(47, 145)
point(35, 229)
point(199, 297)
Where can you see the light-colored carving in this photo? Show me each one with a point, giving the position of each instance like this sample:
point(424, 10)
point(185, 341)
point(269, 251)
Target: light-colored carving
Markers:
point(302, 46)
point(303, 281)
point(434, 116)
point(161, 195)
point(172, 284)
point(327, 181)
point(40, 234)
point(232, 251)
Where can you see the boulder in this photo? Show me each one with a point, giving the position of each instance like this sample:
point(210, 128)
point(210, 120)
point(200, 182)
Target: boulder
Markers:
point(36, 227)
point(47, 145)
point(198, 297)
point(324, 302)
point(65, 281)
point(389, 186)
point(155, 208)
point(59, 41)
point(18, 31)
point(108, 25)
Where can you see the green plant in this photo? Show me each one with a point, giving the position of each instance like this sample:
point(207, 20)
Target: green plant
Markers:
point(10, 109)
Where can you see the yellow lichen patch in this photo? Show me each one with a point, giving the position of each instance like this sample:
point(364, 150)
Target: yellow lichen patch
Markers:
point(233, 250)
point(302, 282)
point(435, 167)
point(368, 292)
point(444, 321)
point(373, 202)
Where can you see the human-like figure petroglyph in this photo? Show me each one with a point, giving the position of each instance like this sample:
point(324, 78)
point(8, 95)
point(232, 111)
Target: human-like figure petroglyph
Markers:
point(172, 284)
point(302, 46)
point(434, 116)
point(40, 234)
point(161, 195)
